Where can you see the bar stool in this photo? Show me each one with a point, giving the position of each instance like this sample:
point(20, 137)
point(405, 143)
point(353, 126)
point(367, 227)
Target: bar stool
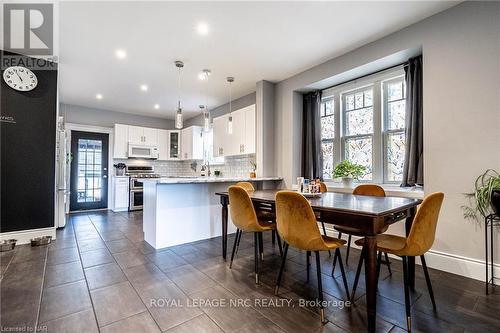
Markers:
point(418, 242)
point(244, 217)
point(298, 227)
point(264, 213)
point(369, 190)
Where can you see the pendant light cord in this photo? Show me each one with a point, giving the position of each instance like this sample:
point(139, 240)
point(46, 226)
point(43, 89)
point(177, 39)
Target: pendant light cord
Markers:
point(179, 89)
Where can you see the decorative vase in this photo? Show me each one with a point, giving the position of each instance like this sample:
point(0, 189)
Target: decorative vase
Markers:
point(495, 201)
point(253, 174)
point(347, 182)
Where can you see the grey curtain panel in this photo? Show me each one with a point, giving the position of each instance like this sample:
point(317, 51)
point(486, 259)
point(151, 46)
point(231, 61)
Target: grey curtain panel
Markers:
point(312, 158)
point(413, 172)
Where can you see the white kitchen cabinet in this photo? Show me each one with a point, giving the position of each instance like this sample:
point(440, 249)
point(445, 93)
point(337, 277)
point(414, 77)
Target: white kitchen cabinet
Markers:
point(163, 143)
point(121, 193)
point(150, 136)
point(135, 134)
point(242, 140)
point(120, 147)
point(192, 143)
point(143, 135)
point(219, 133)
point(174, 145)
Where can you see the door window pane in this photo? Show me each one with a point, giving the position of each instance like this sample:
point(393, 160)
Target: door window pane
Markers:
point(89, 170)
point(359, 150)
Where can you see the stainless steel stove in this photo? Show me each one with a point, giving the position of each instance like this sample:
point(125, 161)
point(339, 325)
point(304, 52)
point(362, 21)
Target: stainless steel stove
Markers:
point(136, 191)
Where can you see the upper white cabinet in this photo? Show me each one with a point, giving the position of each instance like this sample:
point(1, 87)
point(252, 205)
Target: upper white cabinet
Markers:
point(162, 145)
point(174, 145)
point(120, 149)
point(242, 140)
point(144, 135)
point(192, 143)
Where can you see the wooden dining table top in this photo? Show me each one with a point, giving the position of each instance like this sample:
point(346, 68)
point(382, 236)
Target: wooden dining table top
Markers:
point(344, 202)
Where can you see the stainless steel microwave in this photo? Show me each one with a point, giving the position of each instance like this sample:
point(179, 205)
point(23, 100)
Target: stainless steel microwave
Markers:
point(142, 151)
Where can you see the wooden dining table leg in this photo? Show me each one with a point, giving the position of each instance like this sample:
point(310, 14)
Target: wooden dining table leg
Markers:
point(411, 260)
point(371, 281)
point(224, 202)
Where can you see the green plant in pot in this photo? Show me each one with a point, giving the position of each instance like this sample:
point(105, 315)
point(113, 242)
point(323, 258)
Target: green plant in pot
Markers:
point(486, 196)
point(348, 171)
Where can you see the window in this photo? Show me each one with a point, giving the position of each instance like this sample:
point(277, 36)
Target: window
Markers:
point(364, 121)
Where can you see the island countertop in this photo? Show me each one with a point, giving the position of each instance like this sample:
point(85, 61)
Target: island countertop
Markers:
point(195, 180)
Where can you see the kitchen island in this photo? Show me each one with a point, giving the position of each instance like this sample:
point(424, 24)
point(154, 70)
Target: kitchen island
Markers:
point(186, 209)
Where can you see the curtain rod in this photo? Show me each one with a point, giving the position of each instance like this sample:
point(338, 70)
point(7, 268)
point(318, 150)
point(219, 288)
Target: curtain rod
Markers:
point(366, 75)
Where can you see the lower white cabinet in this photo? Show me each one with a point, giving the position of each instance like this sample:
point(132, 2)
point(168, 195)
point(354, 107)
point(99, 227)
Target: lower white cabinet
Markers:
point(121, 194)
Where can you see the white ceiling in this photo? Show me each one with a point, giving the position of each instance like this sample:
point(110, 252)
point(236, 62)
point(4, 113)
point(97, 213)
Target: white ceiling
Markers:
point(250, 41)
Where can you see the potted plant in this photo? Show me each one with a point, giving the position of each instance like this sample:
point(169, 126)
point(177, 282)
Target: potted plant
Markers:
point(486, 196)
point(348, 171)
point(253, 174)
point(120, 169)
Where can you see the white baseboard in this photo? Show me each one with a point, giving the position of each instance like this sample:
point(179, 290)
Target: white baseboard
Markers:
point(447, 262)
point(25, 236)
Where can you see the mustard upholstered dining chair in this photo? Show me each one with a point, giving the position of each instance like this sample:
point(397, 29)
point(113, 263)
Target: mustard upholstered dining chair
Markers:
point(297, 226)
point(418, 242)
point(322, 189)
point(245, 219)
point(264, 213)
point(369, 190)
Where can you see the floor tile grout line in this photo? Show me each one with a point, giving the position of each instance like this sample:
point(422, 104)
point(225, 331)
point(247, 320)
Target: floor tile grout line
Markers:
point(7, 267)
point(41, 288)
point(132, 285)
point(85, 277)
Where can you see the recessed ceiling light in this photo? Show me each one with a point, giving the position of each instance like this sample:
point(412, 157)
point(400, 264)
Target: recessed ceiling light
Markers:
point(98, 96)
point(202, 28)
point(144, 87)
point(202, 76)
point(157, 106)
point(121, 54)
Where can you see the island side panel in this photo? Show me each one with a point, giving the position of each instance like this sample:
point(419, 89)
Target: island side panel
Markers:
point(149, 213)
point(184, 213)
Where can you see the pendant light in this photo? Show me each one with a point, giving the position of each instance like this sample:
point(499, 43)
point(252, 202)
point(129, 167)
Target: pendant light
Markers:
point(206, 111)
point(178, 116)
point(206, 117)
point(230, 80)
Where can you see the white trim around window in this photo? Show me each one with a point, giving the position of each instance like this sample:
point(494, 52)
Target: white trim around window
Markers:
point(380, 130)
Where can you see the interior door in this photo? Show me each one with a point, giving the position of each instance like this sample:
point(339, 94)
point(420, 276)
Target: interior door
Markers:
point(89, 170)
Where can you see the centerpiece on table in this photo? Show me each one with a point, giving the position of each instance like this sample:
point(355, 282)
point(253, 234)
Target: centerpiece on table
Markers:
point(348, 171)
point(253, 174)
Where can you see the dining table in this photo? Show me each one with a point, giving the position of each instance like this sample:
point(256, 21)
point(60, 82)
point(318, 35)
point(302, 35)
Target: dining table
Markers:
point(367, 215)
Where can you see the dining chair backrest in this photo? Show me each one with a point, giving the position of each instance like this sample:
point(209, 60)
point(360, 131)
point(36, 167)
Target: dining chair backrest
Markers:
point(241, 209)
point(296, 222)
point(246, 185)
point(369, 189)
point(423, 229)
point(322, 187)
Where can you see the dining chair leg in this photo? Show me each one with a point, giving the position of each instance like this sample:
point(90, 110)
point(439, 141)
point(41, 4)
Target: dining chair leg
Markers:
point(257, 256)
point(308, 263)
point(388, 263)
point(234, 247)
point(320, 287)
point(279, 244)
point(324, 233)
point(273, 237)
point(261, 246)
point(283, 260)
point(407, 293)
point(344, 278)
point(428, 281)
point(348, 249)
point(238, 244)
point(358, 272)
point(335, 257)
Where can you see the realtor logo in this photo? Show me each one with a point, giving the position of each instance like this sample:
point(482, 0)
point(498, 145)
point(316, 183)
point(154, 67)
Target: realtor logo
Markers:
point(28, 28)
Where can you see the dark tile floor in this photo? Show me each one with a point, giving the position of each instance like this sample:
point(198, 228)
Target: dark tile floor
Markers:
point(99, 275)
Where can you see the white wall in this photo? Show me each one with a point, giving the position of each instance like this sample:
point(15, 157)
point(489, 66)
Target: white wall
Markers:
point(461, 54)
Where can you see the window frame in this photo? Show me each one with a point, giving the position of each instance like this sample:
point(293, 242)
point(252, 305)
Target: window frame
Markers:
point(380, 112)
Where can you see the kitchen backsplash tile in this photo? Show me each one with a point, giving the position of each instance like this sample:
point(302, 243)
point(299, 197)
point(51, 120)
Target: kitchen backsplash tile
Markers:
point(234, 166)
